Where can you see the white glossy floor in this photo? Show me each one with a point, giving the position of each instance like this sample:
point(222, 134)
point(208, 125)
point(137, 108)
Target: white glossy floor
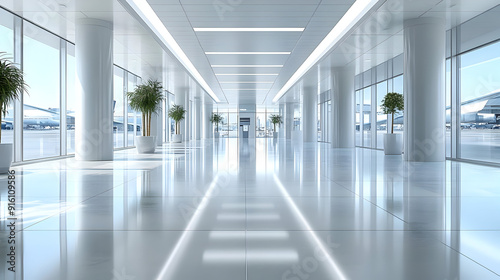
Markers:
point(254, 210)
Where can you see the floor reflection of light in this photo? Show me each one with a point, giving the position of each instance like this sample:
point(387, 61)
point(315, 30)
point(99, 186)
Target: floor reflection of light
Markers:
point(250, 217)
point(191, 225)
point(255, 256)
point(264, 235)
point(35, 211)
point(313, 235)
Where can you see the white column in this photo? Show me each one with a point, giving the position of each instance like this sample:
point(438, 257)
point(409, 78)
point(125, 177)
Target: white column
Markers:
point(424, 84)
point(197, 120)
point(207, 125)
point(342, 122)
point(94, 68)
point(180, 99)
point(288, 123)
point(310, 115)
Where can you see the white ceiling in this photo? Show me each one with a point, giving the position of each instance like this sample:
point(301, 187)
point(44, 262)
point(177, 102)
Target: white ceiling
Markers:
point(376, 39)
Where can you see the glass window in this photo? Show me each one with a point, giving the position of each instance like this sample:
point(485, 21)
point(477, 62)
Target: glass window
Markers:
point(223, 127)
point(329, 117)
point(480, 100)
point(269, 124)
point(131, 114)
point(381, 117)
point(367, 117)
point(398, 117)
point(260, 124)
point(41, 136)
point(172, 122)
point(7, 46)
point(118, 121)
point(448, 108)
point(71, 98)
point(233, 125)
point(358, 117)
point(319, 125)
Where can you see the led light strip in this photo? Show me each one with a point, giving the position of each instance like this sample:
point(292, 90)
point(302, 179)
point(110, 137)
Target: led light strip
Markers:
point(246, 74)
point(248, 53)
point(147, 14)
point(247, 82)
point(359, 9)
point(246, 89)
point(247, 66)
point(272, 29)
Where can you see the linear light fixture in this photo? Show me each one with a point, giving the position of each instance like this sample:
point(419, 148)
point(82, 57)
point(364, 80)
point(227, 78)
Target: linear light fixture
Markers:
point(246, 74)
point(275, 53)
point(359, 9)
point(255, 89)
point(246, 82)
point(247, 66)
point(272, 29)
point(147, 14)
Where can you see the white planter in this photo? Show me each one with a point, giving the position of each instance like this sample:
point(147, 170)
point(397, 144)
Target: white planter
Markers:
point(6, 151)
point(275, 135)
point(216, 135)
point(177, 138)
point(145, 144)
point(393, 144)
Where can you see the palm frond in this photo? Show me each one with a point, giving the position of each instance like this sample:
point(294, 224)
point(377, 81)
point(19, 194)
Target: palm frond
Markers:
point(12, 84)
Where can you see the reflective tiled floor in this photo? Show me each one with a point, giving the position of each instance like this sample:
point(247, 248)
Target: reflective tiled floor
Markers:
point(253, 210)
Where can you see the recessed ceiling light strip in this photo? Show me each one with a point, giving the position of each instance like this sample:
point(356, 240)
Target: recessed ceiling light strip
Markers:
point(358, 10)
point(246, 82)
point(247, 66)
point(246, 74)
point(144, 10)
point(272, 29)
point(255, 89)
point(274, 53)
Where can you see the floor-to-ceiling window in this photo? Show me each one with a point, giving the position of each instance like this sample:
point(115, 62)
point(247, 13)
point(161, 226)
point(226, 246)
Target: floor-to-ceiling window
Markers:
point(48, 112)
point(397, 86)
point(324, 116)
point(7, 47)
point(367, 117)
point(41, 109)
point(71, 101)
point(480, 103)
point(371, 88)
point(233, 123)
point(132, 124)
point(358, 117)
point(448, 108)
point(118, 119)
point(381, 122)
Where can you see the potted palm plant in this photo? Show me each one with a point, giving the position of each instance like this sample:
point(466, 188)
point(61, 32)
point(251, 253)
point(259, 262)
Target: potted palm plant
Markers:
point(177, 112)
point(12, 86)
point(275, 120)
point(147, 99)
point(216, 119)
point(391, 104)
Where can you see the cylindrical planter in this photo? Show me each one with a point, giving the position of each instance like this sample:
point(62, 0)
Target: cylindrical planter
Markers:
point(275, 135)
point(6, 152)
point(177, 138)
point(393, 144)
point(145, 144)
point(216, 135)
